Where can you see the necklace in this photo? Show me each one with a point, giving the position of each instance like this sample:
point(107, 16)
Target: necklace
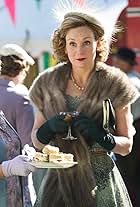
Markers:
point(76, 85)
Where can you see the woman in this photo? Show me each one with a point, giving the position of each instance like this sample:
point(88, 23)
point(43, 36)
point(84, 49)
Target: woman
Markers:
point(12, 165)
point(15, 63)
point(81, 84)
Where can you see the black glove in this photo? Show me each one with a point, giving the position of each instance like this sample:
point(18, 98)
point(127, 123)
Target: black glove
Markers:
point(91, 132)
point(55, 125)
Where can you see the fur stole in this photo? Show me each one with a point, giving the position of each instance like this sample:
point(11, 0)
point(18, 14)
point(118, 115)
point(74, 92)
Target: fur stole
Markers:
point(48, 89)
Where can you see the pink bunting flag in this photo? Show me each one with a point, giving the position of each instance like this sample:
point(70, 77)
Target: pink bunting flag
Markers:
point(80, 2)
point(10, 5)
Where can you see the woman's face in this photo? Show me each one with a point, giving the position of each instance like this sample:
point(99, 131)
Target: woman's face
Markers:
point(81, 47)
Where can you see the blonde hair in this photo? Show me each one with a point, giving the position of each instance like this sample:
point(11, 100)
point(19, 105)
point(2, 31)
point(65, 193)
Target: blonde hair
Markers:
point(77, 19)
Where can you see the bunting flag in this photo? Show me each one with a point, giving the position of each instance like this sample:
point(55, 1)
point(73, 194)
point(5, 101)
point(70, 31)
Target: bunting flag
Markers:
point(38, 3)
point(10, 5)
point(48, 60)
point(80, 2)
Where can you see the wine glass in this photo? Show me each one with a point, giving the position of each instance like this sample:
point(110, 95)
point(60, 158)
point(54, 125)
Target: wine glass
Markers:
point(69, 116)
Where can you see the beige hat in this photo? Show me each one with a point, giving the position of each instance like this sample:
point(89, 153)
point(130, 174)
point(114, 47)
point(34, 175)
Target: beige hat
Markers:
point(92, 20)
point(13, 49)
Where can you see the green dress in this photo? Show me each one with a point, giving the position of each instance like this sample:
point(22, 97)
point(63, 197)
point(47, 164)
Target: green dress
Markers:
point(111, 190)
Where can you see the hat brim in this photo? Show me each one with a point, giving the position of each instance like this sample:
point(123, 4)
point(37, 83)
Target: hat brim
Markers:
point(13, 49)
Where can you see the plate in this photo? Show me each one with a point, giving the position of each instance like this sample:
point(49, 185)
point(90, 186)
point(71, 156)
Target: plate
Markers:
point(39, 164)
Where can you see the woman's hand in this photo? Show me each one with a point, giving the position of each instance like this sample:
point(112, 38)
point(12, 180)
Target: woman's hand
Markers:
point(55, 125)
point(88, 128)
point(18, 166)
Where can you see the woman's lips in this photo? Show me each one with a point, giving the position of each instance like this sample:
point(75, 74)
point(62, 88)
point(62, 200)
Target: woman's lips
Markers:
point(80, 59)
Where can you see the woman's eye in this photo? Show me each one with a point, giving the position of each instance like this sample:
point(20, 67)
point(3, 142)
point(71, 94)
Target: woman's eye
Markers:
point(87, 43)
point(72, 44)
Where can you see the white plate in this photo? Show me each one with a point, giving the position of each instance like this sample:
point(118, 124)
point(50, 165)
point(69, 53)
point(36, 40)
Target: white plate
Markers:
point(53, 164)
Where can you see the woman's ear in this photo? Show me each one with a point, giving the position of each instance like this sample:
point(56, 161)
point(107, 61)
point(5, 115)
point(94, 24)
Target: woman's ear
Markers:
point(98, 45)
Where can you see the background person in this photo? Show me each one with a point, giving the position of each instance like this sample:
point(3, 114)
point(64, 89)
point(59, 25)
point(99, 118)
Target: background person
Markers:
point(80, 83)
point(14, 100)
point(13, 189)
point(125, 59)
point(15, 63)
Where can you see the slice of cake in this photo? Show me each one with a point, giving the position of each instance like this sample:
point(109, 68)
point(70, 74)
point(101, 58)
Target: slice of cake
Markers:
point(52, 154)
point(41, 157)
point(48, 149)
point(55, 157)
point(68, 157)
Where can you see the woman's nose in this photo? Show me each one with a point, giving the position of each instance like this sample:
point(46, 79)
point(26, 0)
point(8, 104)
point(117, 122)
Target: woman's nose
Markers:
point(80, 49)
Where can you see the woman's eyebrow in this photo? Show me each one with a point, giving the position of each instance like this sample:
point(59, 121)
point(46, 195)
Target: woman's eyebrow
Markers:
point(83, 38)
